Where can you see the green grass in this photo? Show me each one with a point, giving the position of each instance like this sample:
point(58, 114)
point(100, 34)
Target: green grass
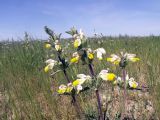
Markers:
point(27, 89)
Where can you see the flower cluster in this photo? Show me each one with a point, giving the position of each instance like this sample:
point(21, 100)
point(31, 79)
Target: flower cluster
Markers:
point(130, 82)
point(54, 41)
point(123, 59)
point(89, 54)
point(76, 85)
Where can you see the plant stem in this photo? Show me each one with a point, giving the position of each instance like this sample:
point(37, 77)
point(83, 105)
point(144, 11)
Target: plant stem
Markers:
point(77, 107)
point(64, 71)
point(91, 70)
point(100, 114)
point(75, 103)
point(66, 76)
point(125, 93)
point(100, 117)
point(74, 100)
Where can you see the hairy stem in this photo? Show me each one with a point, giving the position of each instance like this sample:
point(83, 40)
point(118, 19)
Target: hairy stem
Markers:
point(66, 76)
point(124, 94)
point(100, 117)
point(100, 114)
point(91, 70)
point(64, 71)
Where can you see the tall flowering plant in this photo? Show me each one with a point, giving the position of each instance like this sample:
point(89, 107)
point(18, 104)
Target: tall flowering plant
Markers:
point(62, 64)
point(122, 61)
point(87, 55)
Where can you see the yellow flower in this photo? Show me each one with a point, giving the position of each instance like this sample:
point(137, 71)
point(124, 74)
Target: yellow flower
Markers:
point(74, 60)
point(77, 43)
point(132, 84)
point(81, 79)
point(62, 89)
point(116, 62)
point(48, 45)
point(50, 64)
point(130, 57)
point(69, 88)
point(109, 59)
point(134, 59)
point(78, 82)
point(114, 59)
point(90, 53)
point(65, 89)
point(46, 69)
point(107, 76)
point(90, 56)
point(110, 76)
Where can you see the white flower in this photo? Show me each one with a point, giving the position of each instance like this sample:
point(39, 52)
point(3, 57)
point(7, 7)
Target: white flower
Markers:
point(103, 72)
point(127, 77)
point(62, 89)
point(130, 57)
point(75, 35)
point(75, 54)
point(50, 64)
point(115, 59)
point(50, 61)
point(69, 84)
point(118, 81)
point(104, 75)
point(56, 41)
point(79, 88)
point(83, 76)
point(132, 83)
point(81, 34)
point(100, 52)
point(89, 50)
point(57, 46)
point(81, 79)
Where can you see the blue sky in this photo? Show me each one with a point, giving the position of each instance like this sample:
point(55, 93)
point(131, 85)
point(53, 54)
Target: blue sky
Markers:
point(110, 17)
